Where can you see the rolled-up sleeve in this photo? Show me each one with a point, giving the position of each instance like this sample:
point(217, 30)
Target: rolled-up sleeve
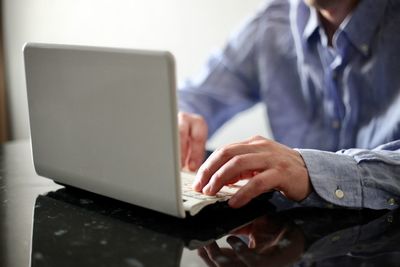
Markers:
point(355, 178)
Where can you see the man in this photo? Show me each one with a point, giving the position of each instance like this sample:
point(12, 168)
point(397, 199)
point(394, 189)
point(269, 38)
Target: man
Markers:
point(329, 74)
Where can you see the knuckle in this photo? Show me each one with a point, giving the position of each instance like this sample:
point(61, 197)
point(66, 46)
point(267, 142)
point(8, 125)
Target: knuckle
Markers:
point(282, 165)
point(239, 160)
point(182, 131)
point(205, 171)
point(182, 115)
point(224, 152)
point(199, 136)
point(257, 137)
point(197, 118)
point(261, 184)
point(217, 177)
point(267, 144)
point(199, 127)
point(258, 183)
point(185, 116)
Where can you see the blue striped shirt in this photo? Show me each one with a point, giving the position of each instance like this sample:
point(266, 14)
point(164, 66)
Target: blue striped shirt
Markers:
point(339, 106)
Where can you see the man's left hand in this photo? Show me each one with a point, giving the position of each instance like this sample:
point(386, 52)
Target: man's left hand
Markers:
point(267, 165)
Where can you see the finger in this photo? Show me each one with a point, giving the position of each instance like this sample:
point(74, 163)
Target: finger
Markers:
point(272, 242)
point(204, 255)
point(183, 126)
point(243, 252)
point(242, 165)
point(261, 183)
point(238, 245)
point(216, 160)
point(214, 252)
point(198, 138)
point(243, 176)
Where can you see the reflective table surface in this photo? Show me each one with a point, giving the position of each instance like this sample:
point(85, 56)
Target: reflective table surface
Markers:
point(44, 224)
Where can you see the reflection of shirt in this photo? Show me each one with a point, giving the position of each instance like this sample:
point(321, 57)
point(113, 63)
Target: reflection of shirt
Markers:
point(372, 244)
point(317, 98)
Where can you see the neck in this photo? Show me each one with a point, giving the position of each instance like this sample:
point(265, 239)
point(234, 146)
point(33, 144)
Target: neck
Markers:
point(332, 16)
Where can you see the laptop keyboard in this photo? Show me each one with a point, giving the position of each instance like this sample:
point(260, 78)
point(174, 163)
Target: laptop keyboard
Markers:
point(187, 192)
point(194, 201)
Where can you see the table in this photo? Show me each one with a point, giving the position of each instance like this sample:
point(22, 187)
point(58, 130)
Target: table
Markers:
point(45, 224)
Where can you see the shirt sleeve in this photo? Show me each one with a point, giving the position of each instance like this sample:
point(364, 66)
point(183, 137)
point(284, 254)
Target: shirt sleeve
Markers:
point(355, 178)
point(228, 83)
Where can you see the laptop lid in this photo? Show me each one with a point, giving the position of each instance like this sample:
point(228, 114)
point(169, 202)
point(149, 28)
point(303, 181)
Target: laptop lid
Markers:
point(104, 120)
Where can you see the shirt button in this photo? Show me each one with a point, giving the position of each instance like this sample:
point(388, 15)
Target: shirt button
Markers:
point(391, 201)
point(336, 124)
point(364, 48)
point(339, 194)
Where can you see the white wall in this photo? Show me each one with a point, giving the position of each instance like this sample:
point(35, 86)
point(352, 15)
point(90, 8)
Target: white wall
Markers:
point(188, 28)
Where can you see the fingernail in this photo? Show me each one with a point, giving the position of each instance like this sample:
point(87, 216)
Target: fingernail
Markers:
point(207, 189)
point(196, 186)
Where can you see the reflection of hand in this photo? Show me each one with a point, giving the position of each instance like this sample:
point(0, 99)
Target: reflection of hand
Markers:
point(271, 243)
point(266, 164)
point(214, 256)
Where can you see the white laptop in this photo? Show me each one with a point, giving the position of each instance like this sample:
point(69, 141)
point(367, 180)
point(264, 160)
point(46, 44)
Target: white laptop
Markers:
point(105, 120)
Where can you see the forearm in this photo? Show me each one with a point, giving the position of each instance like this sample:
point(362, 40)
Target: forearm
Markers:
point(216, 108)
point(355, 178)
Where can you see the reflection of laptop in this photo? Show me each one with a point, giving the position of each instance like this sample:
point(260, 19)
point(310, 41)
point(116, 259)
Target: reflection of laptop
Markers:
point(77, 228)
point(87, 237)
point(105, 120)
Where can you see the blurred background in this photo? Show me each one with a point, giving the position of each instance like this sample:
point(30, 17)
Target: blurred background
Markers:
point(190, 29)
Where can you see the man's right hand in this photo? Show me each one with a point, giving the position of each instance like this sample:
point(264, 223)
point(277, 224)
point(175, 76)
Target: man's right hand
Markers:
point(193, 132)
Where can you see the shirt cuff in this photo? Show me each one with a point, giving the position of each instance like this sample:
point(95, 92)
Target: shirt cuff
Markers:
point(335, 178)
point(315, 201)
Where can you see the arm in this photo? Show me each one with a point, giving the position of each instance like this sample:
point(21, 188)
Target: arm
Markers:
point(228, 84)
point(366, 178)
point(350, 178)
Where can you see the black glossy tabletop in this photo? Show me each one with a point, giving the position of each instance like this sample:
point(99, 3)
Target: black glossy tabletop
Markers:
point(44, 224)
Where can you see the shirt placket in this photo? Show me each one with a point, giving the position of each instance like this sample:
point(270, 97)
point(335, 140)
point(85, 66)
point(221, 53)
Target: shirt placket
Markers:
point(332, 62)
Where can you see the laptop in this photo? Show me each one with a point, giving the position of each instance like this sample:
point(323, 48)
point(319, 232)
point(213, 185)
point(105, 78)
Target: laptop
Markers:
point(105, 120)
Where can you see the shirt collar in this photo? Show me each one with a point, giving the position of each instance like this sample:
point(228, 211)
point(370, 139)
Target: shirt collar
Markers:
point(312, 24)
point(358, 26)
point(363, 23)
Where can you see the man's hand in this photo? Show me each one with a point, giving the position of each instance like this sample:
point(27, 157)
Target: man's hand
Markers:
point(193, 136)
point(267, 164)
